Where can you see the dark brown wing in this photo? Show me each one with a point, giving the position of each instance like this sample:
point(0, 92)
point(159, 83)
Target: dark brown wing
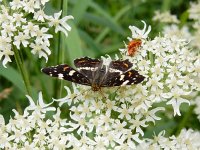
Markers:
point(88, 66)
point(117, 68)
point(127, 78)
point(66, 72)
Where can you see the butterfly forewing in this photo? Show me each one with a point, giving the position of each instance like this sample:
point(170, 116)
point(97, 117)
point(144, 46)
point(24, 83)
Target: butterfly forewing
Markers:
point(127, 78)
point(118, 67)
point(67, 73)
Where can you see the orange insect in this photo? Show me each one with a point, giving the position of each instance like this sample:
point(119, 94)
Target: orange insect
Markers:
point(133, 46)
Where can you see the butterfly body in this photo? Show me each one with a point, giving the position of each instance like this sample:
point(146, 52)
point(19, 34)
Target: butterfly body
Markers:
point(94, 73)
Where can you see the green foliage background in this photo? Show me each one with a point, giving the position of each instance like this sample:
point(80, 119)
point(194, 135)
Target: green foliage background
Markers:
point(99, 28)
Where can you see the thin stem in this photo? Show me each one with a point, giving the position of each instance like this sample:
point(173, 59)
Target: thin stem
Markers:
point(60, 49)
point(185, 119)
point(22, 70)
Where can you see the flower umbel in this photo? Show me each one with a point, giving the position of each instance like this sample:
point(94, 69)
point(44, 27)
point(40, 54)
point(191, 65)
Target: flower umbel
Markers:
point(19, 31)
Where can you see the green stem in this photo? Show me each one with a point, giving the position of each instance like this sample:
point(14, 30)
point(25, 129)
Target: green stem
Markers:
point(60, 49)
point(5, 3)
point(22, 70)
point(151, 58)
point(185, 119)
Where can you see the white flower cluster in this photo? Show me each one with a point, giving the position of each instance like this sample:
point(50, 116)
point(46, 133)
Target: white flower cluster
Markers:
point(174, 28)
point(165, 17)
point(194, 11)
point(194, 14)
point(33, 130)
point(104, 121)
point(22, 24)
point(193, 37)
point(169, 67)
point(92, 125)
point(186, 140)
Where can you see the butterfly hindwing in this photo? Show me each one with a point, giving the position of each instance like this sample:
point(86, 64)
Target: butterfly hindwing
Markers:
point(66, 72)
point(88, 66)
point(86, 62)
point(127, 78)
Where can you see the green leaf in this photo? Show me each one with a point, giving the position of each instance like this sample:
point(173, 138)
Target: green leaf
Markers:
point(90, 42)
point(73, 43)
point(103, 21)
point(183, 18)
point(112, 24)
point(13, 76)
point(121, 12)
point(79, 10)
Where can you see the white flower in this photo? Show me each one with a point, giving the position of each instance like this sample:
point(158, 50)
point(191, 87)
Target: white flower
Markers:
point(188, 139)
point(6, 53)
point(16, 4)
point(40, 15)
point(84, 110)
point(165, 17)
point(18, 19)
point(30, 29)
point(21, 38)
point(97, 106)
point(139, 34)
point(40, 48)
point(29, 6)
point(124, 112)
point(119, 126)
point(60, 24)
point(40, 106)
point(81, 124)
point(75, 96)
point(4, 142)
point(101, 143)
point(18, 136)
point(197, 108)
point(150, 115)
point(194, 10)
point(8, 29)
point(174, 30)
point(137, 123)
point(175, 99)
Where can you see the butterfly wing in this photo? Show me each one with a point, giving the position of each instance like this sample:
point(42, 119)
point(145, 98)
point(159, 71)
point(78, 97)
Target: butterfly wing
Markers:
point(120, 65)
point(88, 66)
point(66, 72)
point(117, 68)
point(127, 78)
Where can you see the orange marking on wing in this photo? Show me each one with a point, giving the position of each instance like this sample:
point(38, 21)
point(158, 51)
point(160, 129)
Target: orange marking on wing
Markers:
point(81, 61)
point(129, 73)
point(126, 65)
point(65, 68)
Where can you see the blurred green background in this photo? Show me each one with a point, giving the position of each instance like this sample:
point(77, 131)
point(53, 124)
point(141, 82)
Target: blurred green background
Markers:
point(99, 28)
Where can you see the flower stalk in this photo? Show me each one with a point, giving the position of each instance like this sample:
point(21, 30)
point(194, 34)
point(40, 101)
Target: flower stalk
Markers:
point(185, 120)
point(22, 70)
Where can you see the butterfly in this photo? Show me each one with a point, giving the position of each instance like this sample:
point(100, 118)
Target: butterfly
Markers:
point(94, 73)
